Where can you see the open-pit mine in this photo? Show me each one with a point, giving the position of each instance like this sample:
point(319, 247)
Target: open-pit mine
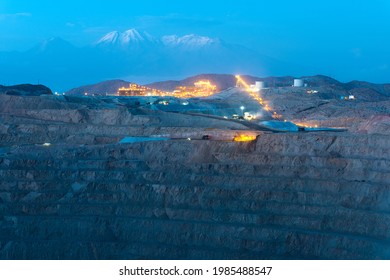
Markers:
point(245, 173)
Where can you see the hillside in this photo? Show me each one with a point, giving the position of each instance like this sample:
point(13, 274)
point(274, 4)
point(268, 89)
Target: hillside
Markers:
point(329, 87)
point(25, 89)
point(99, 89)
point(222, 81)
point(226, 81)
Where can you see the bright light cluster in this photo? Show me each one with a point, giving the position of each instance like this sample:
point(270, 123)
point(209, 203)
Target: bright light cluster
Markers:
point(202, 88)
point(244, 138)
point(254, 94)
point(137, 90)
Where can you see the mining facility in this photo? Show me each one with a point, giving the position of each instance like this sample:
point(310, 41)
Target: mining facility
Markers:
point(202, 88)
point(249, 172)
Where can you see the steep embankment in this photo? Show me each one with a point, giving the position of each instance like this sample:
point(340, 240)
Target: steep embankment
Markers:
point(284, 196)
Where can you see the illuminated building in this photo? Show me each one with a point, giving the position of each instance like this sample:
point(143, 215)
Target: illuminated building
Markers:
point(202, 88)
point(137, 90)
point(132, 90)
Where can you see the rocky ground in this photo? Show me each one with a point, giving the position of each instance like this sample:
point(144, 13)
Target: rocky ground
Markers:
point(69, 190)
point(369, 112)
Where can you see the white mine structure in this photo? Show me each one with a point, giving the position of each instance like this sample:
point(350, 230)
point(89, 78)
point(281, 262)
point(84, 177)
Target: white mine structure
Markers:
point(298, 83)
point(257, 86)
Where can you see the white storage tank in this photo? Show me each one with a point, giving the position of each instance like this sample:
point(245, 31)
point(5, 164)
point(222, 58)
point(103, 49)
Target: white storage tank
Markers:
point(298, 83)
point(259, 85)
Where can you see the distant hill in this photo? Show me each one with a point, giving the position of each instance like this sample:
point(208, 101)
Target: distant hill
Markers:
point(224, 81)
point(99, 89)
point(381, 88)
point(25, 90)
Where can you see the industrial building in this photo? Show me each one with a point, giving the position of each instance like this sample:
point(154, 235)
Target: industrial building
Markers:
point(137, 90)
point(298, 83)
point(202, 88)
point(257, 86)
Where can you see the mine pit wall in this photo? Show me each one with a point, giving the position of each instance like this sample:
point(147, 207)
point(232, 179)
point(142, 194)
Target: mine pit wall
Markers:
point(284, 196)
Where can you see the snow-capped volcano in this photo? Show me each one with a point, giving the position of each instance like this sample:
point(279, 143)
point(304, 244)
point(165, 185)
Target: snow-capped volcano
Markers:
point(132, 53)
point(131, 36)
point(191, 40)
point(137, 38)
point(109, 38)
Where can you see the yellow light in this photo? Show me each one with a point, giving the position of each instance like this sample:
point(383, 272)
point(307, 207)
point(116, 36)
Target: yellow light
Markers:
point(244, 138)
point(202, 88)
point(247, 87)
point(255, 96)
point(306, 124)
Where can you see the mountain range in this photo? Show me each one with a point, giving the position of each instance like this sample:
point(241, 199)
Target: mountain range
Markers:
point(131, 54)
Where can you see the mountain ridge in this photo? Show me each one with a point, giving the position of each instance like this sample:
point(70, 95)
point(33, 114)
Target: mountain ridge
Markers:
point(127, 37)
point(101, 88)
point(225, 81)
point(25, 90)
point(134, 53)
point(131, 53)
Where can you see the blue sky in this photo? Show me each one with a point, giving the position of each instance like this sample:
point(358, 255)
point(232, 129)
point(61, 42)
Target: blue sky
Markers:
point(318, 32)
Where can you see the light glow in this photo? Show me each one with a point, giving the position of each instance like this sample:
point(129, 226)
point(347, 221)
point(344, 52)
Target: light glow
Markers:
point(201, 88)
point(244, 138)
